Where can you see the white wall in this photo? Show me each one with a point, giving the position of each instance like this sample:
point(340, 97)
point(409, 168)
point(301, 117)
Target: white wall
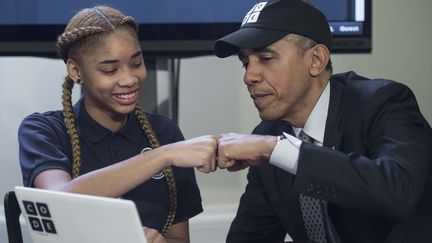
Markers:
point(27, 85)
point(213, 99)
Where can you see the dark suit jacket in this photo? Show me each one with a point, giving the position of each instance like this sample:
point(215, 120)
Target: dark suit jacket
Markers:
point(373, 171)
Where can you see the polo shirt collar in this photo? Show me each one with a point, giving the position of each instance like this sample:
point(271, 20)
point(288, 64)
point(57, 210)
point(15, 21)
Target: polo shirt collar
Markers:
point(132, 130)
point(94, 132)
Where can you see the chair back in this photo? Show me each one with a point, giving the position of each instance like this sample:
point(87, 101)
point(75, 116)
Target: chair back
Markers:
point(12, 213)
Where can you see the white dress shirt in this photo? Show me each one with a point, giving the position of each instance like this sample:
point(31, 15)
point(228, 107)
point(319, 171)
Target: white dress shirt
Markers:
point(285, 154)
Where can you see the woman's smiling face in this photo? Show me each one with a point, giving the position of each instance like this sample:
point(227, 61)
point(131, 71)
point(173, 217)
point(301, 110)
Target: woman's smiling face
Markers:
point(112, 74)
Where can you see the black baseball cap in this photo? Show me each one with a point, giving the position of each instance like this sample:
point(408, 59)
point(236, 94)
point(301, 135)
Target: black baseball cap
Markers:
point(267, 22)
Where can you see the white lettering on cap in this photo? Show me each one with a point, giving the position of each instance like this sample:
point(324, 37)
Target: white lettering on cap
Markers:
point(253, 14)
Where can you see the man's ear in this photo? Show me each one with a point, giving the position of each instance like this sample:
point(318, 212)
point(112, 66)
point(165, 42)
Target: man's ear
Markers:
point(73, 70)
point(320, 58)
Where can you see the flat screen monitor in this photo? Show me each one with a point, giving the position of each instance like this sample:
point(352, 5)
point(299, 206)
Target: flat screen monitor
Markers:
point(168, 28)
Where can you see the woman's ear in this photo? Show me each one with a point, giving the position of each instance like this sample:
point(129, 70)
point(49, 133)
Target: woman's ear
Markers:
point(320, 58)
point(73, 70)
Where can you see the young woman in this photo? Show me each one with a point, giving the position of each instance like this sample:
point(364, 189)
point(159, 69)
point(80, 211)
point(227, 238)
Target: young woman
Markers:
point(105, 144)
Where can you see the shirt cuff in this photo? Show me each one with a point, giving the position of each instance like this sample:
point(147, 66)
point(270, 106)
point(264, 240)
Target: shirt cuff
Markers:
point(285, 154)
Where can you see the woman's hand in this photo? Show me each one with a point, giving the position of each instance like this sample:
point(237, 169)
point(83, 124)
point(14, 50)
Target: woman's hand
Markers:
point(199, 152)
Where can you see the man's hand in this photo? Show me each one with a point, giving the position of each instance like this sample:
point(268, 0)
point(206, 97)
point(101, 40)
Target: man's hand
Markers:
point(238, 151)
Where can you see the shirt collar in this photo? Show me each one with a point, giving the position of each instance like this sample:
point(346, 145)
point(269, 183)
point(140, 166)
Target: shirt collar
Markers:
point(315, 123)
point(94, 132)
point(132, 130)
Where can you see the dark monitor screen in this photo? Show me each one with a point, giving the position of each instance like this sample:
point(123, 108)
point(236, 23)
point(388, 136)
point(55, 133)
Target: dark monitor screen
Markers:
point(170, 28)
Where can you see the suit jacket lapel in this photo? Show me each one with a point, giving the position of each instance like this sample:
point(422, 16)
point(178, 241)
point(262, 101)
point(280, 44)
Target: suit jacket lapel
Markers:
point(332, 139)
point(332, 136)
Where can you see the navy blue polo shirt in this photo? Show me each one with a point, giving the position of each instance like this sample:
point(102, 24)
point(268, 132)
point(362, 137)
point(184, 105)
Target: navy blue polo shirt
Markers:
point(44, 144)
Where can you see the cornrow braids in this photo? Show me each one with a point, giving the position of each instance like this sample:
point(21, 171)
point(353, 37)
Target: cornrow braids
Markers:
point(66, 40)
point(169, 176)
point(70, 125)
point(91, 22)
point(104, 17)
point(128, 20)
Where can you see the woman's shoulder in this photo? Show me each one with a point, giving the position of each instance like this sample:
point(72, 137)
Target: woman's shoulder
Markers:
point(48, 119)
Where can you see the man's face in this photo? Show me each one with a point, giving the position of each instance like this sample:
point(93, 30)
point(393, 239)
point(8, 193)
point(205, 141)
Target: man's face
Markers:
point(278, 80)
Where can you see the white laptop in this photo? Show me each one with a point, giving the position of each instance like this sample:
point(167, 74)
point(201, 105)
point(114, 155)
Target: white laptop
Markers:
point(59, 217)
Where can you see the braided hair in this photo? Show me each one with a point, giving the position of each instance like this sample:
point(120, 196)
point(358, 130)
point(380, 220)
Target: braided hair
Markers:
point(86, 28)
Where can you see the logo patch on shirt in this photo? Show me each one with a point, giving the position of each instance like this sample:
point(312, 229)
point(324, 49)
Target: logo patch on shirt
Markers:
point(253, 14)
point(158, 175)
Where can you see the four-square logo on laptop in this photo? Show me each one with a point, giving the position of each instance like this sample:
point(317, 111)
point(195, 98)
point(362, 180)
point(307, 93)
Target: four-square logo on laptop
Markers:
point(39, 217)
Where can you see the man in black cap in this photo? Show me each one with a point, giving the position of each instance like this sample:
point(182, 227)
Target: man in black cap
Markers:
point(336, 158)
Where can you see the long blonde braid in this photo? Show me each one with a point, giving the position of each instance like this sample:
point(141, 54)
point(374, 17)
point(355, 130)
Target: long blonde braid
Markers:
point(69, 119)
point(154, 143)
